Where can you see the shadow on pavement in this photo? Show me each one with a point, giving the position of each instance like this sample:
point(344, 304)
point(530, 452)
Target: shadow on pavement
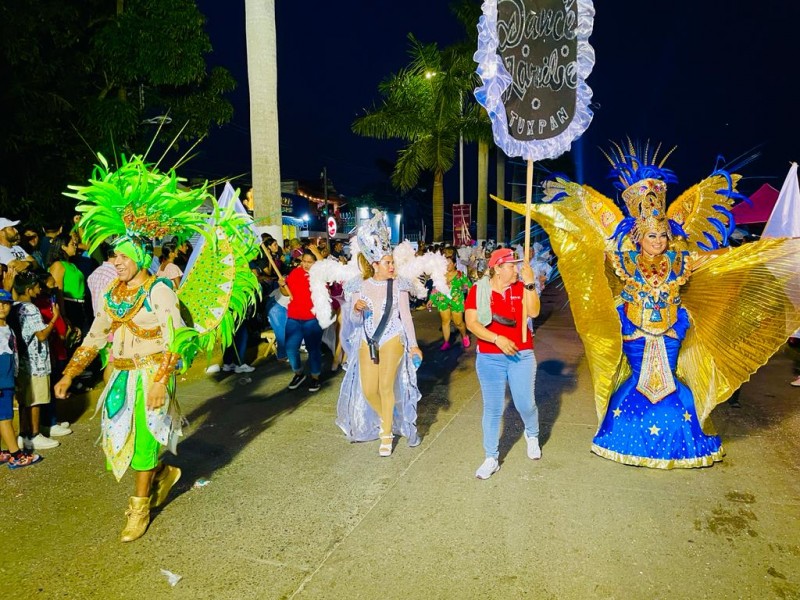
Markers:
point(231, 421)
point(433, 380)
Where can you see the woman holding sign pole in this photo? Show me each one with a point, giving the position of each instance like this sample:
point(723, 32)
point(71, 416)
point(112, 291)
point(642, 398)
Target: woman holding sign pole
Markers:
point(494, 313)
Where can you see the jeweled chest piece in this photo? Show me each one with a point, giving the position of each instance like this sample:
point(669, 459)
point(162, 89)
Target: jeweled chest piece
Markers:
point(654, 270)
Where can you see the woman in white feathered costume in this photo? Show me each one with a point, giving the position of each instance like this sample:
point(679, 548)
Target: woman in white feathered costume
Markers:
point(379, 393)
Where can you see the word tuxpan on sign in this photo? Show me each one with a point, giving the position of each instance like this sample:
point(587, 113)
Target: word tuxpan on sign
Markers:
point(533, 58)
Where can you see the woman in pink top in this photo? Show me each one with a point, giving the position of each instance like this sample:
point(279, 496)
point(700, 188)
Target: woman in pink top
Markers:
point(168, 269)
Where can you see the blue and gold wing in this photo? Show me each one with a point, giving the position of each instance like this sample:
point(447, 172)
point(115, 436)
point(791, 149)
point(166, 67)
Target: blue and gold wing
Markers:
point(703, 211)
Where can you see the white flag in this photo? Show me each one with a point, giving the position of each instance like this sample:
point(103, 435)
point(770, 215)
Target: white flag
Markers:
point(785, 218)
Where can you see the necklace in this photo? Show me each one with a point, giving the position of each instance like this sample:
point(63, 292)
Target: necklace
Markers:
point(123, 302)
point(654, 270)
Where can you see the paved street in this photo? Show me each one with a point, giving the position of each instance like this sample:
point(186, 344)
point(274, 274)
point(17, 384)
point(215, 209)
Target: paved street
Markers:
point(292, 510)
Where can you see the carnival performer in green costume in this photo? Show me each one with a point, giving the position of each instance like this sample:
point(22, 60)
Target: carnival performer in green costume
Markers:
point(145, 318)
point(452, 308)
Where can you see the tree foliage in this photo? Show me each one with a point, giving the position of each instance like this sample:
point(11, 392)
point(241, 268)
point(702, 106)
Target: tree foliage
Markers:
point(80, 76)
point(429, 105)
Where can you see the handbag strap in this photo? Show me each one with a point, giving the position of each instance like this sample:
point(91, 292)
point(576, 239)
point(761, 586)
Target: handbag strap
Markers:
point(376, 336)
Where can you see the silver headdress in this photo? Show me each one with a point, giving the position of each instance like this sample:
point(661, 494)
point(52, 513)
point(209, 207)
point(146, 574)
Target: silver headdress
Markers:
point(373, 237)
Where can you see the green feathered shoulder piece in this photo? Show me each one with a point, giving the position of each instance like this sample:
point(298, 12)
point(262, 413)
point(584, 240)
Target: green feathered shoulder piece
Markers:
point(218, 287)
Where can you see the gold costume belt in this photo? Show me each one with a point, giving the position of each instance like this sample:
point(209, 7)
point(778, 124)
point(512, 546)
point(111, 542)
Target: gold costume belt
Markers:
point(139, 362)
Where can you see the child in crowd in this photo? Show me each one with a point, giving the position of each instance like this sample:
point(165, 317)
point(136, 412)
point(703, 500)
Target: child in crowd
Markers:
point(45, 302)
point(34, 361)
point(14, 456)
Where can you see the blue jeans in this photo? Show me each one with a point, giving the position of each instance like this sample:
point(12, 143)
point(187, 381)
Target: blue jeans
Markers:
point(276, 315)
point(494, 370)
point(311, 332)
point(234, 354)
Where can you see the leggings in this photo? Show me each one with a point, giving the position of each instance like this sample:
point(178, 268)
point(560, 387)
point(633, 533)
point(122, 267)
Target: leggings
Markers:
point(377, 381)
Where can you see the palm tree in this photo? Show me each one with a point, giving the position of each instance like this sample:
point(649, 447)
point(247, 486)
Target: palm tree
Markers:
point(424, 104)
point(262, 73)
point(468, 12)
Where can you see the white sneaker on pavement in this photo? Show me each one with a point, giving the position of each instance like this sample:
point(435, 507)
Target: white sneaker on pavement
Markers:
point(228, 368)
point(489, 467)
point(40, 442)
point(244, 368)
point(212, 369)
point(534, 451)
point(59, 430)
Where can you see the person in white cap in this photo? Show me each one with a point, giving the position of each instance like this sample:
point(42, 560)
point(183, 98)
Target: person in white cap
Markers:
point(11, 254)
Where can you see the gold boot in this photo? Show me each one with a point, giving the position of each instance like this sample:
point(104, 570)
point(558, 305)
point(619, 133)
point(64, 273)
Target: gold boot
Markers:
point(163, 482)
point(138, 514)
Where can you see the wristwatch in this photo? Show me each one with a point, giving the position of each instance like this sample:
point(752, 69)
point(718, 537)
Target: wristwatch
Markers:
point(530, 286)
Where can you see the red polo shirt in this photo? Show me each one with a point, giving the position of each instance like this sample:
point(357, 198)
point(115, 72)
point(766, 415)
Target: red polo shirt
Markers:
point(508, 305)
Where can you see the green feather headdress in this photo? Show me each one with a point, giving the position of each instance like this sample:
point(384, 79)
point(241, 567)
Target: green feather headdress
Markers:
point(139, 201)
point(136, 203)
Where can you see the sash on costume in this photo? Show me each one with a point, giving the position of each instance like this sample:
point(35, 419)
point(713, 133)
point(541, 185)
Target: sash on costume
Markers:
point(655, 379)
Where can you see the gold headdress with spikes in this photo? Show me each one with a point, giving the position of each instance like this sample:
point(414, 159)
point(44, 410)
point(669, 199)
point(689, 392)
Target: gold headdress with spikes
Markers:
point(647, 203)
point(643, 182)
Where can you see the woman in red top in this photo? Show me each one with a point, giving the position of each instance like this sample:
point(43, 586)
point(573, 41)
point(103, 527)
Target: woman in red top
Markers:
point(302, 324)
point(494, 313)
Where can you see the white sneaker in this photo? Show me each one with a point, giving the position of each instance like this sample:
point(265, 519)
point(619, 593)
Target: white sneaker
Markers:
point(212, 369)
point(244, 368)
point(228, 368)
point(40, 442)
point(489, 467)
point(24, 443)
point(534, 451)
point(59, 430)
point(796, 382)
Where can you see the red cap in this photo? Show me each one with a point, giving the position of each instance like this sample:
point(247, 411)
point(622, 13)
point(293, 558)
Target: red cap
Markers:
point(502, 256)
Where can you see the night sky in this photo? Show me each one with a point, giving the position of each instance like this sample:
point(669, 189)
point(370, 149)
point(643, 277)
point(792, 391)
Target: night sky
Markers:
point(703, 75)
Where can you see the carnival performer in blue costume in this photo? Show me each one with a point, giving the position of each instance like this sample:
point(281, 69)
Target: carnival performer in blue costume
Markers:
point(664, 350)
point(651, 419)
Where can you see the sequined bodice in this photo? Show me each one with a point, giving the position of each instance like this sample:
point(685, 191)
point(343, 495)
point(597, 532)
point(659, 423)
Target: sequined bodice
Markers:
point(374, 292)
point(651, 287)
